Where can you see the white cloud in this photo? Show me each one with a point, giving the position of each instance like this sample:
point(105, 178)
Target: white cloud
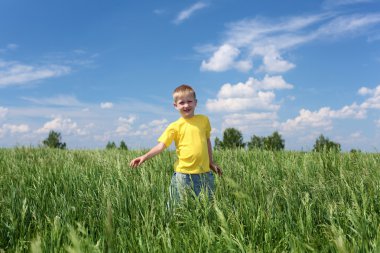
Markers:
point(9, 47)
point(243, 66)
point(356, 135)
point(272, 83)
point(10, 128)
point(262, 100)
point(153, 128)
point(12, 46)
point(311, 123)
point(350, 111)
point(272, 60)
point(263, 32)
point(106, 105)
point(253, 85)
point(128, 120)
point(335, 3)
point(87, 125)
point(3, 112)
point(269, 40)
point(22, 128)
point(124, 128)
point(61, 124)
point(59, 100)
point(14, 73)
point(364, 91)
point(125, 125)
point(224, 58)
point(186, 14)
point(323, 118)
point(237, 91)
point(248, 95)
point(154, 124)
point(260, 37)
point(344, 25)
point(373, 102)
point(256, 122)
point(159, 11)
point(307, 119)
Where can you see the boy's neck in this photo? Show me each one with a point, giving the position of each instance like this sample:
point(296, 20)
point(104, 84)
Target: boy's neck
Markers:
point(188, 117)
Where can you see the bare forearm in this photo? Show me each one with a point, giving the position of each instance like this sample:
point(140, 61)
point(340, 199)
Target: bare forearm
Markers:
point(209, 150)
point(213, 166)
point(155, 150)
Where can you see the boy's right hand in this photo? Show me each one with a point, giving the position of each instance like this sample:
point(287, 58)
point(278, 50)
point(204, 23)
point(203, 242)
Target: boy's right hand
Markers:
point(154, 151)
point(216, 169)
point(137, 161)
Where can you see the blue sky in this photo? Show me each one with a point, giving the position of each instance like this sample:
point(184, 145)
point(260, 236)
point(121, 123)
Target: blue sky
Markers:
point(99, 71)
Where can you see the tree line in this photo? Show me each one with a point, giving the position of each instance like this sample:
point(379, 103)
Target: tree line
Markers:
point(54, 140)
point(232, 139)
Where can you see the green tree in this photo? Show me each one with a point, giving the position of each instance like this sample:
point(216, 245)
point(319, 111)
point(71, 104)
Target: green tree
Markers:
point(256, 142)
point(274, 142)
point(324, 144)
point(218, 144)
point(111, 145)
point(123, 146)
point(54, 140)
point(232, 138)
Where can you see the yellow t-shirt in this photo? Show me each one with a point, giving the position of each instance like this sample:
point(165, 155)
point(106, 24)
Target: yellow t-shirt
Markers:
point(190, 137)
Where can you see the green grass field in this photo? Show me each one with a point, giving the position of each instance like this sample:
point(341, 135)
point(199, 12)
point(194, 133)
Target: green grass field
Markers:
point(91, 201)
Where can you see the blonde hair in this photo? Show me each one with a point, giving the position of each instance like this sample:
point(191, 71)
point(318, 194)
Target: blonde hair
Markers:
point(183, 90)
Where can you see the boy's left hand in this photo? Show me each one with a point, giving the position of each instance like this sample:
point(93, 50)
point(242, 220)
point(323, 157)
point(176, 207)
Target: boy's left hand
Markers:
point(216, 169)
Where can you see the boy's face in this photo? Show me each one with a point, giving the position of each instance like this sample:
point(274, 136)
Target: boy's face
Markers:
point(186, 105)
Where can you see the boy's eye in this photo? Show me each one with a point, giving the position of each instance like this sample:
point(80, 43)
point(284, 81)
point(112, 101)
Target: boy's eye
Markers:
point(184, 102)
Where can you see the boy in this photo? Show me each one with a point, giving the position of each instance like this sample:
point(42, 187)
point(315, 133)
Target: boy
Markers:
point(191, 134)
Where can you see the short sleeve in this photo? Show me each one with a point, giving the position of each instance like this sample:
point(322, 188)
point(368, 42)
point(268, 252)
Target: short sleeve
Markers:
point(167, 136)
point(208, 128)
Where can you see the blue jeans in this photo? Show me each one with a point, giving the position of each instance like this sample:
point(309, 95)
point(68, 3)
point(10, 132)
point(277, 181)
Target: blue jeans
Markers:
point(182, 183)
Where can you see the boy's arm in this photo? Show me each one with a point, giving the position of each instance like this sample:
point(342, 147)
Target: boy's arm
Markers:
point(213, 166)
point(154, 151)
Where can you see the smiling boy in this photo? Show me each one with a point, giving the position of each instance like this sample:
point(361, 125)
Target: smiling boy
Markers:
point(191, 134)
